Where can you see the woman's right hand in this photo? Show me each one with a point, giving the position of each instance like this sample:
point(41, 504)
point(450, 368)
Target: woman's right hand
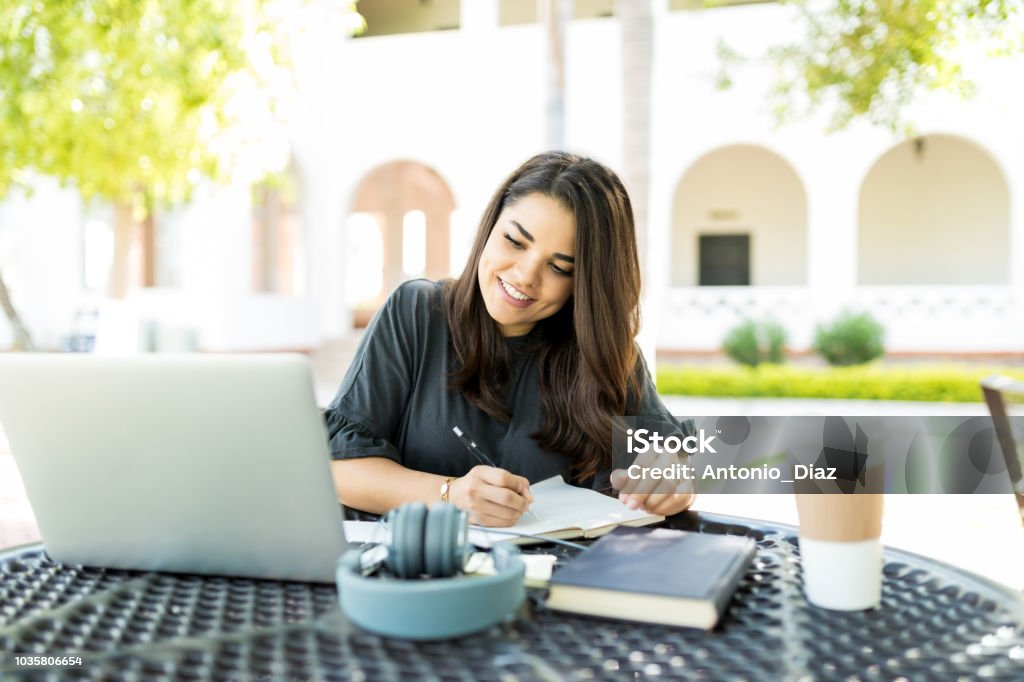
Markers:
point(491, 496)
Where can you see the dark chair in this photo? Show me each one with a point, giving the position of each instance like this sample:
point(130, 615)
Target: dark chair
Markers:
point(1005, 399)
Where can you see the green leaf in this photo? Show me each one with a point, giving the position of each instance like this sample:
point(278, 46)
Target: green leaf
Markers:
point(129, 100)
point(870, 58)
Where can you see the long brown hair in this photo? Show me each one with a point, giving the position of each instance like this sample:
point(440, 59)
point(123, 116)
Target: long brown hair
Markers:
point(588, 361)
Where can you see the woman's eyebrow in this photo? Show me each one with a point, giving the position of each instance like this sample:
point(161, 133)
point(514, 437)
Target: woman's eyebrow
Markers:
point(529, 237)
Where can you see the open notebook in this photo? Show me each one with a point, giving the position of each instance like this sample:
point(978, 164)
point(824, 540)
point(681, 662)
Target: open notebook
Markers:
point(564, 511)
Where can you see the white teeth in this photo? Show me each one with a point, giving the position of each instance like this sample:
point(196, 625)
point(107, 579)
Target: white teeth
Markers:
point(513, 292)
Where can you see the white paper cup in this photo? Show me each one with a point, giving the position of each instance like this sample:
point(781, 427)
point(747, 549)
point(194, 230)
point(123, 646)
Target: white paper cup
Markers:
point(843, 576)
point(840, 550)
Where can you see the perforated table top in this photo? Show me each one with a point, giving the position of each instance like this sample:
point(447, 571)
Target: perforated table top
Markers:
point(935, 623)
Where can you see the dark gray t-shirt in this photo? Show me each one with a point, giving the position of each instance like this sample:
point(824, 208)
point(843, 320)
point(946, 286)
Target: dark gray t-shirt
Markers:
point(395, 402)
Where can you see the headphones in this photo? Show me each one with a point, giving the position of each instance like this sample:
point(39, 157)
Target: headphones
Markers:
point(422, 595)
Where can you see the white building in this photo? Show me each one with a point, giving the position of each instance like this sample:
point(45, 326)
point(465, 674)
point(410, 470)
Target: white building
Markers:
point(402, 138)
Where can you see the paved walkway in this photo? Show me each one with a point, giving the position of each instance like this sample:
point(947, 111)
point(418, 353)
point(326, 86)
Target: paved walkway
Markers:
point(981, 533)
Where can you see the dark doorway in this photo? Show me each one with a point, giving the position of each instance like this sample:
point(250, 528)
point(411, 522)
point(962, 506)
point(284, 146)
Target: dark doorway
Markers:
point(724, 259)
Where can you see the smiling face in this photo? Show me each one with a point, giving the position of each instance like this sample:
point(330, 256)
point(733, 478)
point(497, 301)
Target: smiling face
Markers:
point(525, 271)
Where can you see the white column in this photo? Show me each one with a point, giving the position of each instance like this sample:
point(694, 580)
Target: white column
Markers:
point(478, 15)
point(321, 115)
point(663, 177)
point(832, 232)
point(1015, 181)
point(832, 197)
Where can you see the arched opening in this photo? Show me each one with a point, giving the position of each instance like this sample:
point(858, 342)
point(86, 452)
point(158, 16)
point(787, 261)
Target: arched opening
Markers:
point(739, 218)
point(934, 210)
point(399, 228)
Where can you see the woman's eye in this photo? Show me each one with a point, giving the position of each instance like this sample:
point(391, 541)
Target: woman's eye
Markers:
point(559, 271)
point(513, 242)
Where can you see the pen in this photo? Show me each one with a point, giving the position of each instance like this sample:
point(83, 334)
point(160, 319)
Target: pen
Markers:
point(481, 456)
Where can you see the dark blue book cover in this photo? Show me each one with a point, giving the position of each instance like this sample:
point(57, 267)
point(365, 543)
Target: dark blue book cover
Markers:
point(654, 575)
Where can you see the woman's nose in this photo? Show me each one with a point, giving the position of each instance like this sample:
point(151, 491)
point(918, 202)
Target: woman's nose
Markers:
point(528, 271)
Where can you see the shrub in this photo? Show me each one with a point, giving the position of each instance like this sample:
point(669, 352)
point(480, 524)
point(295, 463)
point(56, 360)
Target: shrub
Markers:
point(752, 343)
point(850, 339)
point(866, 382)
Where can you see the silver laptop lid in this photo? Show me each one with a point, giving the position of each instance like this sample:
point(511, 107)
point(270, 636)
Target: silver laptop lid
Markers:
point(194, 463)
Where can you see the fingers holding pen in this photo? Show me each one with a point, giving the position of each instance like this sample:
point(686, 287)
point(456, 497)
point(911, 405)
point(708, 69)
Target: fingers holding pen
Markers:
point(503, 479)
point(492, 496)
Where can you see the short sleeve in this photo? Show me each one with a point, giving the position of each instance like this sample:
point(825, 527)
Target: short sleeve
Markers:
point(365, 416)
point(350, 439)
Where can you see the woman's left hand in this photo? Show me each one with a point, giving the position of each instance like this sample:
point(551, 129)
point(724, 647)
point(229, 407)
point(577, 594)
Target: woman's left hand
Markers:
point(654, 496)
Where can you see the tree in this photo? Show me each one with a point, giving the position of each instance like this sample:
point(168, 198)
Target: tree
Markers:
point(869, 58)
point(130, 101)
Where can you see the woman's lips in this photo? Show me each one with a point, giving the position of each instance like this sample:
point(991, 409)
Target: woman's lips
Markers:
point(514, 302)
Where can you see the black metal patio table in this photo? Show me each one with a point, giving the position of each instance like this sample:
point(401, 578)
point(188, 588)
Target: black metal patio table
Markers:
point(935, 623)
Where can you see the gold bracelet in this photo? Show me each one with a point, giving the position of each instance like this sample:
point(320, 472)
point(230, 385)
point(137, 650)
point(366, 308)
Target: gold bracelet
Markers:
point(446, 488)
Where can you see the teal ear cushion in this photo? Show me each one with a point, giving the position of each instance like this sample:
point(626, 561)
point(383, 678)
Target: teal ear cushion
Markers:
point(405, 544)
point(426, 541)
point(439, 542)
point(414, 540)
point(435, 608)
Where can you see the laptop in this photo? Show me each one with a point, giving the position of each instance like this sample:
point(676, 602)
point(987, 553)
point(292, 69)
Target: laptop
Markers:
point(214, 464)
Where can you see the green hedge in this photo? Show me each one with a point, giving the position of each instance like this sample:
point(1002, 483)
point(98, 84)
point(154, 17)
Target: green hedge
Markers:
point(863, 382)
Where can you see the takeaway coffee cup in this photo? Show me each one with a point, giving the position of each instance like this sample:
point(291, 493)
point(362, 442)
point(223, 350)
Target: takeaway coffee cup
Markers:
point(840, 550)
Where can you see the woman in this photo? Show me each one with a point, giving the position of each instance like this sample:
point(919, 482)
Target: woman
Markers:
point(530, 352)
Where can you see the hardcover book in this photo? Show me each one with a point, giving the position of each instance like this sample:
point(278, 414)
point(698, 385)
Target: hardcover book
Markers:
point(665, 576)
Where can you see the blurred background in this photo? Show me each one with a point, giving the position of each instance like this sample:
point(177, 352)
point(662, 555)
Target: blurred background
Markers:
point(828, 194)
point(263, 183)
